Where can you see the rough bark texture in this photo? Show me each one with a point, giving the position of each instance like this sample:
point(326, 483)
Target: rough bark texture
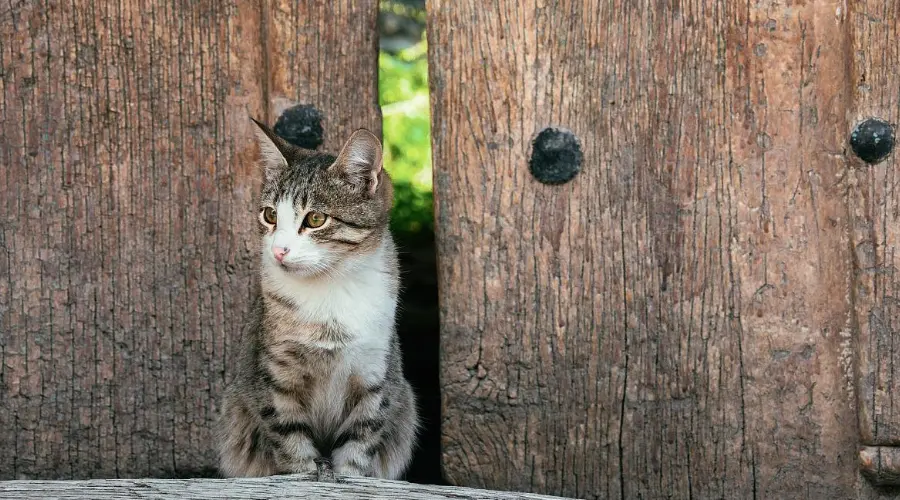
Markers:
point(280, 487)
point(674, 322)
point(127, 245)
point(325, 54)
point(875, 212)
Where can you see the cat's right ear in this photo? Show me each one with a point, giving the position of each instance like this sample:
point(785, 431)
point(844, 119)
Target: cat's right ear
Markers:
point(272, 149)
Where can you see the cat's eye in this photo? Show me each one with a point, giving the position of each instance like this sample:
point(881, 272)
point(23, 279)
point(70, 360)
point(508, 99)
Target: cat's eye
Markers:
point(315, 219)
point(269, 216)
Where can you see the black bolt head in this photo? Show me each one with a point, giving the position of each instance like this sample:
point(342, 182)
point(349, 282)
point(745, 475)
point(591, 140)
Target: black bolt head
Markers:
point(872, 140)
point(301, 125)
point(555, 156)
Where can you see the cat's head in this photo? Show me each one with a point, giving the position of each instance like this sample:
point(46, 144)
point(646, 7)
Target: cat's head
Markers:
point(319, 212)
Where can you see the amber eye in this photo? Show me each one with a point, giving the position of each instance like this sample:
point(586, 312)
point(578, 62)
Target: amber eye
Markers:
point(269, 216)
point(315, 219)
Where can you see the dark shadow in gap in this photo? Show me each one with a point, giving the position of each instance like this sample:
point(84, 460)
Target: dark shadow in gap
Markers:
point(419, 331)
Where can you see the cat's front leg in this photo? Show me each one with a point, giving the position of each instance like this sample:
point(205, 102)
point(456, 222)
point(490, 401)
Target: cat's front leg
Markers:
point(357, 442)
point(356, 456)
point(296, 452)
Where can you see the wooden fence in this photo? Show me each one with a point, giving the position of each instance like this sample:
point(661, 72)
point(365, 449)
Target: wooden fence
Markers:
point(667, 256)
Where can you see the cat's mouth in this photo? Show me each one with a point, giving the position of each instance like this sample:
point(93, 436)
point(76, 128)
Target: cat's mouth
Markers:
point(300, 268)
point(292, 266)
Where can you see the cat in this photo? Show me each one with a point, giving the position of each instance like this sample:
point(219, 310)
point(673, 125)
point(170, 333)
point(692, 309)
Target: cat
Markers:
point(320, 374)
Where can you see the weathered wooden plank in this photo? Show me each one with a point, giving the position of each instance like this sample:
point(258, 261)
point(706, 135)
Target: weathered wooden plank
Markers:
point(874, 209)
point(125, 155)
point(281, 487)
point(325, 55)
point(126, 214)
point(673, 321)
point(875, 212)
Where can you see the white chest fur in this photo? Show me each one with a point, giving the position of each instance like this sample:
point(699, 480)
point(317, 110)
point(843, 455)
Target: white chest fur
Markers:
point(360, 302)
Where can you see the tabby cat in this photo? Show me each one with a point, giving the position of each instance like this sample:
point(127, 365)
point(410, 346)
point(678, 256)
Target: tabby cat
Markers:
point(320, 373)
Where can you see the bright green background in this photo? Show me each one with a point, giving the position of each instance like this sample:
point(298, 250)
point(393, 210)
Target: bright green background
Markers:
point(403, 95)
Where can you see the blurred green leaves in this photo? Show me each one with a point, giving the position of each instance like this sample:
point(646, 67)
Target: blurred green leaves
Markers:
point(403, 95)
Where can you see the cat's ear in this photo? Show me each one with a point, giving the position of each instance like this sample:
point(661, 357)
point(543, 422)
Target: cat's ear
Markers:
point(272, 149)
point(359, 161)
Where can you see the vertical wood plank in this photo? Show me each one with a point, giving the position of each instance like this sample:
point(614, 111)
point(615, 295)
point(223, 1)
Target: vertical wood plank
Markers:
point(325, 54)
point(127, 184)
point(875, 212)
point(674, 321)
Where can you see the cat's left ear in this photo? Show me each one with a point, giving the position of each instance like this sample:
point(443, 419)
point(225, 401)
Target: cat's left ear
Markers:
point(272, 149)
point(359, 161)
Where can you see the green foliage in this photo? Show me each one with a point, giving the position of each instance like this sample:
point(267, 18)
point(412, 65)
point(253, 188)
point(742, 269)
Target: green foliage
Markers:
point(403, 95)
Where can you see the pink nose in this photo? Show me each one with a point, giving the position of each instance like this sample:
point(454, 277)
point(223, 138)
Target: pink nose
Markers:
point(280, 253)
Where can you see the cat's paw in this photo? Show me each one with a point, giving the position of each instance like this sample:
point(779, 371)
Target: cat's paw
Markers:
point(303, 466)
point(349, 469)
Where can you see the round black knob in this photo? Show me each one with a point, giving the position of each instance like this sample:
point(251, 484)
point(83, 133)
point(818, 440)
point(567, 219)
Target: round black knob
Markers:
point(301, 125)
point(872, 140)
point(555, 156)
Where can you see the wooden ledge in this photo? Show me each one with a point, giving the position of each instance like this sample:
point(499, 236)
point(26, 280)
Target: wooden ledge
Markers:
point(282, 487)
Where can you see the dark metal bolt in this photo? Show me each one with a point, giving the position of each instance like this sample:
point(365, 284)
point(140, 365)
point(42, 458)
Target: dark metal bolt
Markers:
point(872, 140)
point(301, 125)
point(555, 156)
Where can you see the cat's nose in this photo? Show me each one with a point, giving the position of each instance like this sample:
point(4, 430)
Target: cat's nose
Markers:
point(280, 252)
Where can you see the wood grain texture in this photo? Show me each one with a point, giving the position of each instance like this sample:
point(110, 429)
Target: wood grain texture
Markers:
point(672, 323)
point(127, 245)
point(325, 54)
point(281, 487)
point(123, 191)
point(875, 212)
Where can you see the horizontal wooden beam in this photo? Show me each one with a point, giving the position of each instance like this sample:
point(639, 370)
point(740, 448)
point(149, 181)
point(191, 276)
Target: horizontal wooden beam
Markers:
point(283, 487)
